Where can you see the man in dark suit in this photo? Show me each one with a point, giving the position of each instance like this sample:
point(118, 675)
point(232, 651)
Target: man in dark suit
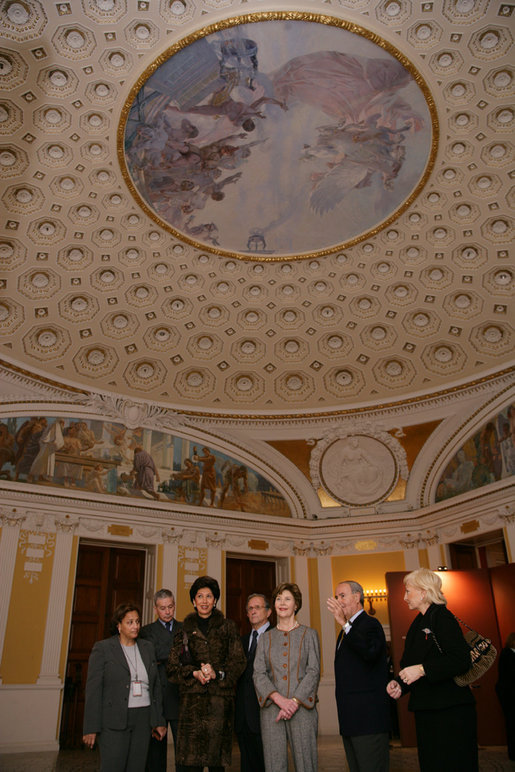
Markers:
point(361, 674)
point(247, 721)
point(162, 633)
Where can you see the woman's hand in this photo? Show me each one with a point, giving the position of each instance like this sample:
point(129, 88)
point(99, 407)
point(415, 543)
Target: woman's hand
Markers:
point(208, 671)
point(411, 673)
point(199, 675)
point(287, 707)
point(159, 732)
point(89, 739)
point(394, 690)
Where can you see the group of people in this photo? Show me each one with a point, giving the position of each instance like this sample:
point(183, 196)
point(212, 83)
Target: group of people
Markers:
point(205, 680)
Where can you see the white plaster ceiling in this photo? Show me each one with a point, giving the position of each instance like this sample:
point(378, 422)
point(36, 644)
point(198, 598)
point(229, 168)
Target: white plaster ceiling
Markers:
point(95, 294)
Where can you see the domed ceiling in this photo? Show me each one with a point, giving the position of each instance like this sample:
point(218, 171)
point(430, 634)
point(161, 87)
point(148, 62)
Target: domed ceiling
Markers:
point(224, 207)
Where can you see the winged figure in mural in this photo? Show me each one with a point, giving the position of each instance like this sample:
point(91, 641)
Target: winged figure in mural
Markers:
point(370, 120)
point(350, 156)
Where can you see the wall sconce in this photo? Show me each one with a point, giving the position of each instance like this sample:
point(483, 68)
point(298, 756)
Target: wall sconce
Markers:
point(372, 595)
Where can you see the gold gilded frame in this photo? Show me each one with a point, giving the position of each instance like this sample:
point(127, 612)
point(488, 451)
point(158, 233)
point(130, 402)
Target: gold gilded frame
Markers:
point(277, 16)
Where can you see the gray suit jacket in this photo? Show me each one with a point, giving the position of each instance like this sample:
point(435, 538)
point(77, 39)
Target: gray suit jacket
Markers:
point(108, 685)
point(163, 641)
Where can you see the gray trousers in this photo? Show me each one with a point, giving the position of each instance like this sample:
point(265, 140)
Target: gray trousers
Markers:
point(299, 732)
point(125, 750)
point(368, 752)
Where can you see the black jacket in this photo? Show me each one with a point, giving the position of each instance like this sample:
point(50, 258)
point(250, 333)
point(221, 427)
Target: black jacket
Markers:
point(247, 711)
point(163, 641)
point(108, 685)
point(437, 689)
point(361, 674)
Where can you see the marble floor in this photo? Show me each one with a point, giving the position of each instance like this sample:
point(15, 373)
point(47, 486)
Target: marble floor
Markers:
point(331, 758)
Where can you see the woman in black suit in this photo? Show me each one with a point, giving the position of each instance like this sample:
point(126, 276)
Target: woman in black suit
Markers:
point(445, 713)
point(505, 688)
point(123, 696)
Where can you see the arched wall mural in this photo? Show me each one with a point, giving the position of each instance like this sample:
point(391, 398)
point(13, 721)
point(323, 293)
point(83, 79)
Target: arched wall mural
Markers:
point(108, 457)
point(487, 456)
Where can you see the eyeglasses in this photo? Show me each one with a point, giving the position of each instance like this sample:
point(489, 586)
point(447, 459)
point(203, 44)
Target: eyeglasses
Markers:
point(255, 608)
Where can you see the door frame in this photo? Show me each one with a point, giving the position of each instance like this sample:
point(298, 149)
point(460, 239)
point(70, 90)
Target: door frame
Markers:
point(147, 611)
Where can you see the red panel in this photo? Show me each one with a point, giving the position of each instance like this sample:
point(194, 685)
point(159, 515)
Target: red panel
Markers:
point(469, 595)
point(400, 619)
point(503, 587)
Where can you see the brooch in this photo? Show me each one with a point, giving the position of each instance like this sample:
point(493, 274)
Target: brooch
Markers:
point(427, 631)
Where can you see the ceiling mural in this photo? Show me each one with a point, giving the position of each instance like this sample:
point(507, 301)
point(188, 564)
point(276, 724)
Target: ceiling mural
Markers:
point(107, 457)
point(486, 457)
point(278, 137)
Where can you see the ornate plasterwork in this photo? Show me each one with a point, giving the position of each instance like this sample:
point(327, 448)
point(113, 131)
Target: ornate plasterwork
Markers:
point(358, 465)
point(134, 414)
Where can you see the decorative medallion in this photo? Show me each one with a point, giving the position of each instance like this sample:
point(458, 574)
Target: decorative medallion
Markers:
point(278, 135)
point(358, 469)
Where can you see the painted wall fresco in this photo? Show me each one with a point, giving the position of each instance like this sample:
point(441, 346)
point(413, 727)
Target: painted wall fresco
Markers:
point(489, 455)
point(106, 457)
point(260, 137)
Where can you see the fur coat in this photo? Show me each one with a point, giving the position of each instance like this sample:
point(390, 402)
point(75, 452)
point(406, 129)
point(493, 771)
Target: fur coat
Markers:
point(206, 711)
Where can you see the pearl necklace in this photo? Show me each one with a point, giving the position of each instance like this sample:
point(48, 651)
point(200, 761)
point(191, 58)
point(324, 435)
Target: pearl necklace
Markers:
point(295, 624)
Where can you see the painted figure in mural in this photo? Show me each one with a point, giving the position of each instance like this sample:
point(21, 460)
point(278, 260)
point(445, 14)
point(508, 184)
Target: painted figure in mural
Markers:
point(184, 485)
point(491, 451)
point(94, 479)
point(27, 441)
point(6, 450)
point(87, 437)
point(70, 471)
point(461, 478)
point(208, 477)
point(50, 442)
point(234, 478)
point(144, 471)
point(125, 485)
point(507, 449)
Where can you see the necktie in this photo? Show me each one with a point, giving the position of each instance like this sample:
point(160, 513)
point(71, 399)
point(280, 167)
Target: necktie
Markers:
point(253, 643)
point(168, 626)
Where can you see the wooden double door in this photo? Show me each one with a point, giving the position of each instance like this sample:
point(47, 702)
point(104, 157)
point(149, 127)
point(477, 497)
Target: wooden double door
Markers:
point(106, 576)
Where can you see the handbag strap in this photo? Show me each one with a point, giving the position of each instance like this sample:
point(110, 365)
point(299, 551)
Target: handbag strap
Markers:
point(463, 623)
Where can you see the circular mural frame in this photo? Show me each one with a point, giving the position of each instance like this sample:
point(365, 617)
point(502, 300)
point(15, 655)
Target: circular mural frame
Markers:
point(358, 470)
point(257, 142)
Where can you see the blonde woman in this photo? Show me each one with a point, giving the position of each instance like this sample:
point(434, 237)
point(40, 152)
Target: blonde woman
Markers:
point(286, 676)
point(435, 652)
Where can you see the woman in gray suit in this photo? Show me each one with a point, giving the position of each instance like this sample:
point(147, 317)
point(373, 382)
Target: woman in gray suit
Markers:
point(123, 696)
point(286, 676)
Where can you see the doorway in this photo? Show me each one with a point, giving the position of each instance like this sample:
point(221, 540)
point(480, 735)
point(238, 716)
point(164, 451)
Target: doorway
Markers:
point(106, 576)
point(243, 577)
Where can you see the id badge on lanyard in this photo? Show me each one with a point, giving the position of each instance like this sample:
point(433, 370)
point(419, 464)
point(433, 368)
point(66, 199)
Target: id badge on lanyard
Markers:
point(136, 689)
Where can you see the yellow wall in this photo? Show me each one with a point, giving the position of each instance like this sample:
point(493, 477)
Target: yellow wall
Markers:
point(192, 562)
point(28, 607)
point(369, 571)
point(314, 598)
point(69, 603)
